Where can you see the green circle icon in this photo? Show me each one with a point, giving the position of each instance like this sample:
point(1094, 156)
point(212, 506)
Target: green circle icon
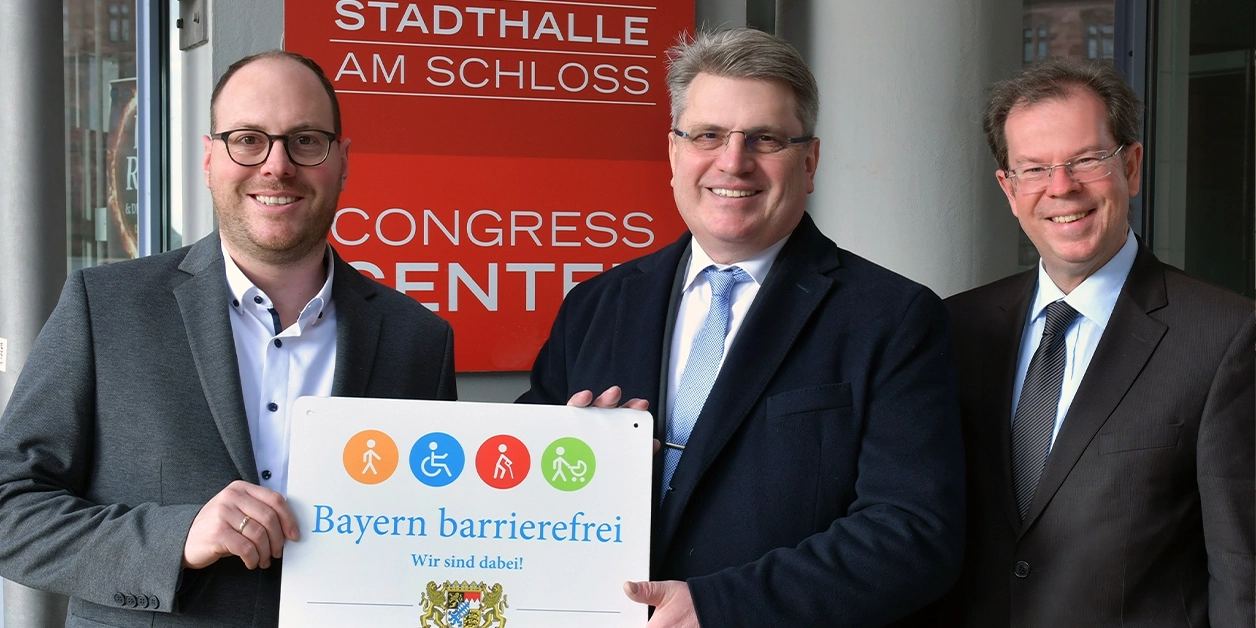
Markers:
point(568, 464)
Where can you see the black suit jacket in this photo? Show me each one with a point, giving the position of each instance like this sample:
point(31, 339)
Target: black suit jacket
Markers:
point(128, 417)
point(822, 484)
point(1144, 513)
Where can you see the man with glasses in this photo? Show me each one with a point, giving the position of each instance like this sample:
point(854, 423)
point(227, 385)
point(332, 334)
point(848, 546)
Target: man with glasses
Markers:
point(810, 472)
point(144, 452)
point(1107, 398)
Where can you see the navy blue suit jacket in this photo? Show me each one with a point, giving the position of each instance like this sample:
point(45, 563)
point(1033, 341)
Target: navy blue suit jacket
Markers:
point(823, 483)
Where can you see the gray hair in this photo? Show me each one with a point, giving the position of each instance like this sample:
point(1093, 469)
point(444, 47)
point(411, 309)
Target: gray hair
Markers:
point(742, 53)
point(1056, 79)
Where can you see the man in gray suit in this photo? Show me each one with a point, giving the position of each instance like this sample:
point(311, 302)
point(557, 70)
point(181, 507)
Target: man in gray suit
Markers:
point(143, 454)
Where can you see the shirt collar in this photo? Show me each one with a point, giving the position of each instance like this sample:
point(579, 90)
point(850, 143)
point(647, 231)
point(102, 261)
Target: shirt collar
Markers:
point(757, 267)
point(1096, 297)
point(244, 291)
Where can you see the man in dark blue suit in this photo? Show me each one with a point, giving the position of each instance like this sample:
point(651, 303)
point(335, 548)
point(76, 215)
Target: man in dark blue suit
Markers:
point(811, 472)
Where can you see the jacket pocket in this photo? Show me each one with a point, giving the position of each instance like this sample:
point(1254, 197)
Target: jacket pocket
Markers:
point(1150, 437)
point(809, 399)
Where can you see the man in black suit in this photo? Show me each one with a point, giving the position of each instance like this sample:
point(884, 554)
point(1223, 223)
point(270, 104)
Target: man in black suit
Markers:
point(812, 472)
point(1107, 398)
point(143, 454)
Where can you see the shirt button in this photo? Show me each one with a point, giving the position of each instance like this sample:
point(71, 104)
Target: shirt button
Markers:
point(235, 303)
point(266, 474)
point(278, 342)
point(1021, 570)
point(272, 406)
point(258, 300)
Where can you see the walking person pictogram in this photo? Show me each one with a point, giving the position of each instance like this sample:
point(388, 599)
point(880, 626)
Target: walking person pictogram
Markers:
point(370, 457)
point(558, 465)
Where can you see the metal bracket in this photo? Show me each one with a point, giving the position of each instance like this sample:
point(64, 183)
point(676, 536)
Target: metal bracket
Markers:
point(192, 24)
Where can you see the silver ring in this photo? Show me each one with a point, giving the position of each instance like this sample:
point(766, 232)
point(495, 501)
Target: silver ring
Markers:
point(243, 523)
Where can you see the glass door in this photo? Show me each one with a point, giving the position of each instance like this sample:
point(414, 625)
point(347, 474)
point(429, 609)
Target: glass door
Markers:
point(1203, 218)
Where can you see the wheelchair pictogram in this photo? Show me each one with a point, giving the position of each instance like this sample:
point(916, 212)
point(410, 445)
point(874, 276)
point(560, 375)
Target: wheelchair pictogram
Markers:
point(437, 459)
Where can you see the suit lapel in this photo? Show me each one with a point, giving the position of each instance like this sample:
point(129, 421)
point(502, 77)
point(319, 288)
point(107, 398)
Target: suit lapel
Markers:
point(357, 330)
point(794, 288)
point(203, 302)
point(1008, 329)
point(638, 354)
point(1127, 343)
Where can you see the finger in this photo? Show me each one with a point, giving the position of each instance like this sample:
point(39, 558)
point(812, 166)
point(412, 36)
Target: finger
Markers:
point(237, 544)
point(649, 593)
point(288, 520)
point(636, 403)
point(255, 533)
point(266, 520)
point(278, 515)
point(609, 398)
point(657, 445)
point(581, 399)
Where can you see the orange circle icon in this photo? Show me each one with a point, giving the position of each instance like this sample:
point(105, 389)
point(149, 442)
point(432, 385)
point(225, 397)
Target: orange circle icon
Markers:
point(370, 457)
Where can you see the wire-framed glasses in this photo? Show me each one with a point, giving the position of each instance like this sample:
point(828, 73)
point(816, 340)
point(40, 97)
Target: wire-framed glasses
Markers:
point(1083, 169)
point(761, 142)
point(251, 147)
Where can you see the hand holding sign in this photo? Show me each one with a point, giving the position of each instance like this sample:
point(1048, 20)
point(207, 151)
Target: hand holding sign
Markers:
point(609, 399)
point(673, 606)
point(244, 520)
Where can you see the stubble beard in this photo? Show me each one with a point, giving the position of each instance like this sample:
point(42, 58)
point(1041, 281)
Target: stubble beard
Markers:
point(309, 238)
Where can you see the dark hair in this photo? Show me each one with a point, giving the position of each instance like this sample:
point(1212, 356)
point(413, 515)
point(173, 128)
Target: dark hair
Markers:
point(1054, 79)
point(276, 54)
point(742, 53)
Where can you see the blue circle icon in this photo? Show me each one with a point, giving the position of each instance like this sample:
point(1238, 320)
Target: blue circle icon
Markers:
point(437, 459)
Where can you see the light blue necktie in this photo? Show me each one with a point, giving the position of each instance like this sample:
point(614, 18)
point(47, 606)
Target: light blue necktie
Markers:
point(702, 367)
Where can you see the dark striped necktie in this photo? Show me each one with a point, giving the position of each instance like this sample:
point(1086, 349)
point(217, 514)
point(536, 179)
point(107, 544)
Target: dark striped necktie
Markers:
point(1039, 401)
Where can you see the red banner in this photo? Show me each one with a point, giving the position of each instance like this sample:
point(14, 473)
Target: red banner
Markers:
point(502, 151)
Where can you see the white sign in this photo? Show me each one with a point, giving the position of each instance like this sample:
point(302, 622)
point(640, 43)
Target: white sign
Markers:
point(463, 515)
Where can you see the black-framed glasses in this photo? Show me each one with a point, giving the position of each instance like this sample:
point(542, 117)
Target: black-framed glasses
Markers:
point(1083, 169)
point(760, 142)
point(251, 147)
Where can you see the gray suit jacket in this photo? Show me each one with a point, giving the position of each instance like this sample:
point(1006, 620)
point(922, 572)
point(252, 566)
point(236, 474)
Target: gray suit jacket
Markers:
point(1145, 513)
point(129, 416)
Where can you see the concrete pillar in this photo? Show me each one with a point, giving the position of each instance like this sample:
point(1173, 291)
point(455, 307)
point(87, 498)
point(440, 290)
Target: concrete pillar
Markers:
point(905, 178)
point(32, 218)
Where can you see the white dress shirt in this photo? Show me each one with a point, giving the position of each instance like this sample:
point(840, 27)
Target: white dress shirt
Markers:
point(1094, 300)
point(695, 302)
point(279, 365)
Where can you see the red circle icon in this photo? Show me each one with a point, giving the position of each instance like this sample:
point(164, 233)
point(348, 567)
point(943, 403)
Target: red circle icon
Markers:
point(503, 461)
